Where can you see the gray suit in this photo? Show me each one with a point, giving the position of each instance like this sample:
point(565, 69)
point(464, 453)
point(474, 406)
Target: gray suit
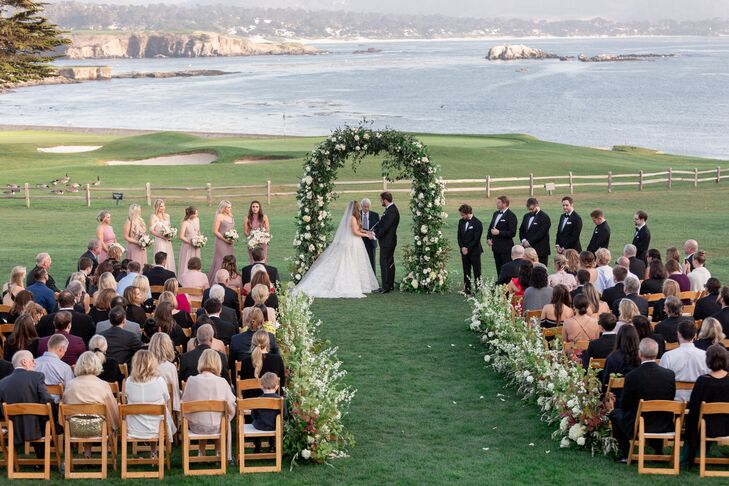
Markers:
point(130, 326)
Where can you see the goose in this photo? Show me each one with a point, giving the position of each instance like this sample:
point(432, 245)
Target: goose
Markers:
point(55, 182)
point(97, 182)
point(12, 186)
point(75, 185)
point(11, 191)
point(57, 191)
point(73, 189)
point(64, 179)
point(42, 186)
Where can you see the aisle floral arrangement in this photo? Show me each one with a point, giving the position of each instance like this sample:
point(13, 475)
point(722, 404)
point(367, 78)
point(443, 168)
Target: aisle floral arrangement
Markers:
point(568, 395)
point(406, 158)
point(316, 399)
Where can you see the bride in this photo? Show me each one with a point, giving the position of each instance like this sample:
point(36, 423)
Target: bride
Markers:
point(343, 270)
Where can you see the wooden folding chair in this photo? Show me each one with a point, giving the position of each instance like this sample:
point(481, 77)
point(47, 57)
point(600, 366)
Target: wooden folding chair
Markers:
point(248, 431)
point(550, 334)
point(5, 329)
point(124, 370)
point(671, 346)
point(698, 323)
point(597, 363)
point(188, 437)
point(653, 297)
point(188, 330)
point(533, 314)
point(688, 310)
point(685, 385)
point(114, 386)
point(106, 441)
point(717, 408)
point(691, 295)
point(615, 383)
point(163, 449)
point(156, 289)
point(56, 390)
point(725, 343)
point(640, 435)
point(580, 345)
point(241, 386)
point(49, 440)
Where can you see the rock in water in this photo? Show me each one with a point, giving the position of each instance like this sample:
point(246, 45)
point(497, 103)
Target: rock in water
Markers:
point(514, 52)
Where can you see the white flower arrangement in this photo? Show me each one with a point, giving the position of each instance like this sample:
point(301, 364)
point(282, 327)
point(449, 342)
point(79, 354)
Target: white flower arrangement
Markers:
point(231, 235)
point(258, 237)
point(199, 240)
point(169, 232)
point(144, 241)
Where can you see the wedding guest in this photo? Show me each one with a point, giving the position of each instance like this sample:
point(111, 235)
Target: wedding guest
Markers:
point(193, 277)
point(560, 275)
point(106, 281)
point(235, 280)
point(690, 247)
point(231, 296)
point(134, 310)
point(23, 338)
point(190, 360)
point(600, 348)
point(642, 236)
point(42, 260)
point(596, 306)
point(15, 284)
point(161, 347)
point(78, 289)
point(81, 325)
point(129, 325)
point(216, 344)
point(109, 367)
point(182, 318)
point(604, 271)
point(673, 254)
point(601, 234)
point(159, 226)
point(256, 220)
point(583, 278)
point(261, 360)
point(631, 287)
point(158, 274)
point(114, 255)
point(183, 300)
point(687, 361)
point(710, 388)
point(510, 270)
point(167, 325)
point(142, 283)
point(121, 344)
point(228, 314)
point(534, 230)
point(264, 419)
point(6, 368)
point(558, 309)
point(189, 229)
point(652, 255)
point(224, 330)
point(469, 235)
point(50, 363)
point(261, 278)
point(617, 291)
point(643, 325)
point(76, 346)
point(223, 223)
point(134, 269)
point(587, 262)
point(627, 310)
point(104, 267)
point(93, 249)
point(670, 289)
point(573, 261)
point(530, 254)
point(35, 311)
point(569, 227)
point(369, 220)
point(581, 326)
point(668, 327)
point(723, 315)
point(208, 385)
point(656, 276)
point(699, 275)
point(624, 358)
point(636, 265)
point(104, 234)
point(674, 273)
point(240, 344)
point(624, 261)
point(708, 305)
point(709, 334)
point(539, 293)
point(520, 283)
point(134, 229)
point(260, 295)
point(42, 294)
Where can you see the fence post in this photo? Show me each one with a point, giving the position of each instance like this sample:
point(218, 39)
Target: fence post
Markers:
point(696, 177)
point(384, 183)
point(718, 174)
point(531, 184)
point(209, 193)
point(610, 181)
point(88, 195)
point(148, 191)
point(670, 177)
point(26, 186)
point(268, 192)
point(640, 180)
point(572, 187)
point(488, 187)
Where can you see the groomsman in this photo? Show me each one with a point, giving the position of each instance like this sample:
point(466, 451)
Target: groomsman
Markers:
point(501, 232)
point(369, 220)
point(570, 227)
point(470, 230)
point(534, 230)
point(642, 237)
point(386, 233)
point(601, 234)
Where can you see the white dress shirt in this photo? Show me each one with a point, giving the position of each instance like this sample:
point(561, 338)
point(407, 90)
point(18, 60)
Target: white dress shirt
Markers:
point(605, 278)
point(688, 362)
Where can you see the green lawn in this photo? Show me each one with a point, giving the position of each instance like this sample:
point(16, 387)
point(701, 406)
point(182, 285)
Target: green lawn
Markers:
point(409, 356)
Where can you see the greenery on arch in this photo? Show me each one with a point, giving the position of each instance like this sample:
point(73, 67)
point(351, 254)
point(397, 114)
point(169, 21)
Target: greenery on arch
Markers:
point(405, 158)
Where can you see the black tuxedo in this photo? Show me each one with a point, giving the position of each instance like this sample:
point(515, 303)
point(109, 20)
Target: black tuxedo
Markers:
point(508, 271)
point(240, 346)
point(668, 328)
point(641, 240)
point(469, 237)
point(224, 330)
point(227, 314)
point(272, 273)
point(637, 267)
point(568, 231)
point(158, 275)
point(122, 344)
point(30, 280)
point(94, 261)
point(189, 360)
point(502, 243)
point(371, 245)
point(600, 237)
point(386, 233)
point(599, 348)
point(611, 294)
point(230, 299)
point(723, 318)
point(537, 234)
point(23, 386)
point(82, 325)
point(707, 307)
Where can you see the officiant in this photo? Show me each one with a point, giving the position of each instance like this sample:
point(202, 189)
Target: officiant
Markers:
point(369, 219)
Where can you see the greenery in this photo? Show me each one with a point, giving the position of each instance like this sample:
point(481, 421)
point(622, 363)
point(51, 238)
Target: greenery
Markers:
point(25, 39)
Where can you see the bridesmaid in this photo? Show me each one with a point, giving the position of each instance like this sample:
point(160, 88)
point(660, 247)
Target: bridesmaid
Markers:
point(190, 227)
point(105, 234)
point(134, 228)
point(158, 223)
point(223, 222)
point(255, 220)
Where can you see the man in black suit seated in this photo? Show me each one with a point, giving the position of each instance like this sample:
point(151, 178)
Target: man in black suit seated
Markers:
point(668, 328)
point(511, 269)
point(469, 234)
point(647, 382)
point(500, 235)
point(93, 249)
point(25, 385)
point(240, 344)
point(583, 277)
point(723, 315)
point(601, 234)
point(709, 305)
point(158, 274)
point(534, 230)
point(122, 344)
point(631, 285)
point(569, 228)
point(224, 330)
point(85, 265)
point(217, 292)
point(636, 265)
point(42, 260)
point(231, 296)
point(369, 220)
point(600, 348)
point(642, 237)
point(189, 360)
point(6, 368)
point(258, 259)
point(617, 291)
point(82, 325)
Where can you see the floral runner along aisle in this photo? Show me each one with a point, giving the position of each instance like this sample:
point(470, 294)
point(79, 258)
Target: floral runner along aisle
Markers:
point(567, 394)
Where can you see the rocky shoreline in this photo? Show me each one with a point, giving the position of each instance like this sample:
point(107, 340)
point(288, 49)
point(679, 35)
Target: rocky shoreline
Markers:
point(75, 75)
point(521, 52)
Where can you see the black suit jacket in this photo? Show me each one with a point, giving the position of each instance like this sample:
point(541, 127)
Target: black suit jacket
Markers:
point(469, 235)
point(189, 360)
point(230, 299)
point(82, 325)
point(272, 273)
point(642, 240)
point(158, 276)
point(569, 236)
point(611, 294)
point(600, 237)
point(639, 301)
point(647, 382)
point(723, 317)
point(386, 229)
point(23, 386)
point(95, 261)
point(508, 271)
point(224, 330)
point(240, 346)
point(707, 307)
point(6, 368)
point(503, 242)
point(227, 314)
point(538, 233)
point(122, 344)
point(668, 328)
point(599, 348)
point(637, 267)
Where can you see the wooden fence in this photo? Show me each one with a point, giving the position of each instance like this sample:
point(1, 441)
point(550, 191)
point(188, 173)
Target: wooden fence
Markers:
point(488, 187)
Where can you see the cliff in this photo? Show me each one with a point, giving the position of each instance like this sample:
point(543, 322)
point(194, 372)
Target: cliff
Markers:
point(161, 44)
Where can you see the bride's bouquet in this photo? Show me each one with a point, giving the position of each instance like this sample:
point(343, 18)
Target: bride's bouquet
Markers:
point(199, 241)
point(231, 235)
point(170, 232)
point(144, 241)
point(258, 238)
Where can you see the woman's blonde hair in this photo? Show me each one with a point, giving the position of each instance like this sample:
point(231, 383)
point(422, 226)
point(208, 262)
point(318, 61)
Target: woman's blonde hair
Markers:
point(627, 310)
point(161, 347)
point(260, 294)
point(172, 285)
point(107, 281)
point(210, 361)
point(603, 256)
point(531, 255)
point(157, 204)
point(168, 297)
point(255, 319)
point(88, 364)
point(711, 329)
point(17, 276)
point(144, 367)
point(142, 282)
point(79, 277)
point(260, 345)
point(135, 218)
point(102, 299)
point(560, 262)
point(671, 288)
point(102, 214)
point(593, 297)
point(35, 311)
point(115, 252)
point(132, 212)
point(98, 345)
point(573, 260)
point(222, 205)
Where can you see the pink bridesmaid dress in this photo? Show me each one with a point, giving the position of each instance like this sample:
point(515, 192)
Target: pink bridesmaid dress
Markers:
point(136, 252)
point(222, 249)
point(161, 244)
point(188, 251)
point(109, 238)
point(257, 224)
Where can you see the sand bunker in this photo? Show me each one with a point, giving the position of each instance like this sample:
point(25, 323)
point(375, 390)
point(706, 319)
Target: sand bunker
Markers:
point(181, 159)
point(69, 149)
point(261, 160)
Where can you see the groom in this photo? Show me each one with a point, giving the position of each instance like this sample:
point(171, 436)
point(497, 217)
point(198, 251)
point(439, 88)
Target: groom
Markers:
point(386, 232)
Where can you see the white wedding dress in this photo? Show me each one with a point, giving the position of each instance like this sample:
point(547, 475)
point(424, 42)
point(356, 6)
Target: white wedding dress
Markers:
point(343, 270)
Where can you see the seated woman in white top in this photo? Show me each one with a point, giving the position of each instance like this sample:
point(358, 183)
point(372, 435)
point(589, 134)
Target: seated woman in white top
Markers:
point(604, 270)
point(161, 347)
point(560, 275)
point(144, 385)
point(208, 385)
point(699, 275)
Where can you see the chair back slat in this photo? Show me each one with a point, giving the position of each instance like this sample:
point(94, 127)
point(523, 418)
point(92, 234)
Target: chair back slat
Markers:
point(671, 406)
point(267, 403)
point(671, 346)
point(55, 389)
point(42, 409)
point(66, 410)
point(142, 409)
point(190, 291)
point(714, 408)
point(684, 385)
point(203, 406)
point(597, 363)
point(245, 385)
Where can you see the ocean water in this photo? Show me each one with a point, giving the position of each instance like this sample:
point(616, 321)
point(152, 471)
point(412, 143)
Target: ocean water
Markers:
point(678, 105)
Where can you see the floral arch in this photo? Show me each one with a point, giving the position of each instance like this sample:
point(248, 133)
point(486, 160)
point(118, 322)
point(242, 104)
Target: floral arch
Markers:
point(406, 158)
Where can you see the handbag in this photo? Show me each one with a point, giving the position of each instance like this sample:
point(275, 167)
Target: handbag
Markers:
point(85, 426)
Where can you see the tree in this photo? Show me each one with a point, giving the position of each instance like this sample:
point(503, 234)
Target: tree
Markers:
point(27, 41)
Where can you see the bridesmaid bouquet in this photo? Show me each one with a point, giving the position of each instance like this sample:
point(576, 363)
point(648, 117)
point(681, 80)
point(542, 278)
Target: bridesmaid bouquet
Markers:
point(258, 238)
point(170, 232)
point(231, 235)
point(144, 241)
point(199, 241)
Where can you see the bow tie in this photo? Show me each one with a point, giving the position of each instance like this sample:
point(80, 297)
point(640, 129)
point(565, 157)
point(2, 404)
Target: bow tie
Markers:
point(501, 212)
